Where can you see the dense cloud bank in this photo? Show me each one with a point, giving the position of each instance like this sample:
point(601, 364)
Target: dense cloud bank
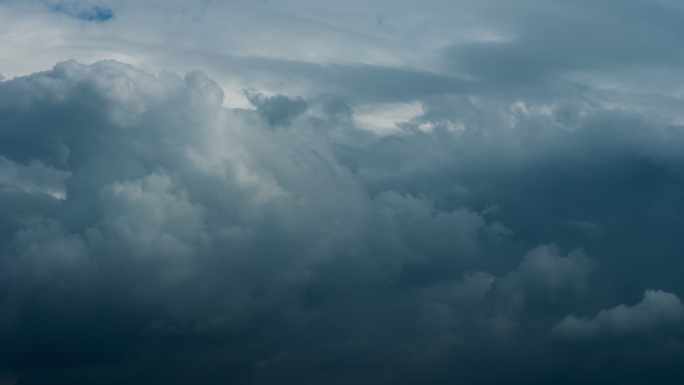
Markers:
point(151, 235)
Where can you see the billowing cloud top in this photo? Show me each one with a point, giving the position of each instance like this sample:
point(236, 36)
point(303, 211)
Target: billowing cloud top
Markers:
point(433, 192)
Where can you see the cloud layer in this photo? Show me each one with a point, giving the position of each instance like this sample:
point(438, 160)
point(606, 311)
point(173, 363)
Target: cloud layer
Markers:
point(338, 210)
point(148, 222)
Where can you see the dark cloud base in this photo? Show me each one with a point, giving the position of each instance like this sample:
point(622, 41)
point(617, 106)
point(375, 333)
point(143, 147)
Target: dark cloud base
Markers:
point(149, 235)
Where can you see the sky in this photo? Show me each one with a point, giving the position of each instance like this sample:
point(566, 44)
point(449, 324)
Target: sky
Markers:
point(317, 192)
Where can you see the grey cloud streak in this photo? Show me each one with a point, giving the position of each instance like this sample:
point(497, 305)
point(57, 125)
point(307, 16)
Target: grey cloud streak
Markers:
point(184, 221)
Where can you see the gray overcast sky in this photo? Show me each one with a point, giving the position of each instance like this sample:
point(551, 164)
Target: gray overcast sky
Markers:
point(315, 192)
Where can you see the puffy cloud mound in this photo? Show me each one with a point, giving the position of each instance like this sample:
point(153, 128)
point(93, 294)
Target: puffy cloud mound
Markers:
point(168, 217)
point(656, 310)
point(151, 235)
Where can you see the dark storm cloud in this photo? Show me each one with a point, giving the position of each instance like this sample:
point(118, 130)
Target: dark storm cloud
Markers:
point(175, 221)
point(278, 109)
point(153, 235)
point(521, 221)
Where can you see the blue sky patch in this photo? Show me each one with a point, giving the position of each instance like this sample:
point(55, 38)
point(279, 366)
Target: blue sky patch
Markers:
point(96, 13)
